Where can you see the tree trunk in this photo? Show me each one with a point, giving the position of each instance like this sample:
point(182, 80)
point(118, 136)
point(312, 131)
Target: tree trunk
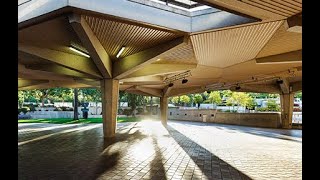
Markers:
point(75, 105)
point(151, 105)
point(96, 107)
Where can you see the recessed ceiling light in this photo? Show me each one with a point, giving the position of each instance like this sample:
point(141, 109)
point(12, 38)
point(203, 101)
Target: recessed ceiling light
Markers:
point(78, 51)
point(121, 50)
point(158, 59)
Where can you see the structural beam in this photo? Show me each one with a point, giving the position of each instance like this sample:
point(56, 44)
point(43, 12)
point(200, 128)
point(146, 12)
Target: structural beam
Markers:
point(77, 63)
point(26, 82)
point(284, 85)
point(296, 86)
point(294, 23)
point(92, 44)
point(258, 88)
point(26, 73)
point(110, 94)
point(166, 91)
point(164, 110)
point(289, 57)
point(160, 69)
point(127, 65)
point(182, 91)
point(150, 91)
point(54, 68)
point(287, 103)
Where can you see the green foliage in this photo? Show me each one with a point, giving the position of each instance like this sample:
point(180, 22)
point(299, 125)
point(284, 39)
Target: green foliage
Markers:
point(71, 121)
point(215, 98)
point(262, 109)
point(238, 98)
point(197, 98)
point(272, 105)
point(185, 99)
point(298, 95)
point(175, 100)
point(24, 110)
point(134, 100)
point(251, 104)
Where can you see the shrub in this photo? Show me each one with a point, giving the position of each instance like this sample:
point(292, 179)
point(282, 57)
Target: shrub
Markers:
point(24, 110)
point(127, 112)
point(272, 105)
point(262, 109)
point(140, 110)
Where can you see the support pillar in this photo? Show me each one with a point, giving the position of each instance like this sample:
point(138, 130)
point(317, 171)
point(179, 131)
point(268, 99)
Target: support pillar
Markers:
point(164, 110)
point(286, 101)
point(109, 96)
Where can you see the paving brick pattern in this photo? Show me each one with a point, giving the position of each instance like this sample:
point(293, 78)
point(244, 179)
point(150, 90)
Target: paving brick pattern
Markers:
point(147, 150)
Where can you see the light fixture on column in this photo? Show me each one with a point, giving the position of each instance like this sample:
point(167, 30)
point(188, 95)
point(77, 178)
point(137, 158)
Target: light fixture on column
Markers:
point(184, 81)
point(73, 48)
point(208, 92)
point(121, 50)
point(238, 87)
point(170, 84)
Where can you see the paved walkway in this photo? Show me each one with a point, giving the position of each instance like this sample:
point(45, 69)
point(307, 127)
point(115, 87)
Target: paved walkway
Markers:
point(147, 150)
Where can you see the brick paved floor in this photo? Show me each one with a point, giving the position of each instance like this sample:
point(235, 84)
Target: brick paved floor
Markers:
point(147, 150)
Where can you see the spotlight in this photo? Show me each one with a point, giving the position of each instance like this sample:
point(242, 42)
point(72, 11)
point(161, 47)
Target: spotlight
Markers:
point(170, 84)
point(184, 81)
point(279, 81)
point(208, 92)
point(238, 87)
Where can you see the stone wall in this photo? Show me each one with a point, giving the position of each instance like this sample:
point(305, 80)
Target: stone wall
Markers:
point(269, 120)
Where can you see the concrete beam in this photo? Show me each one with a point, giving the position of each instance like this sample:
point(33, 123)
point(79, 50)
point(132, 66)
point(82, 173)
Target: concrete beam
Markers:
point(160, 69)
point(258, 88)
point(132, 63)
point(77, 63)
point(150, 91)
point(296, 86)
point(294, 23)
point(289, 57)
point(92, 44)
point(183, 91)
point(26, 82)
point(54, 68)
point(110, 94)
point(166, 91)
point(284, 85)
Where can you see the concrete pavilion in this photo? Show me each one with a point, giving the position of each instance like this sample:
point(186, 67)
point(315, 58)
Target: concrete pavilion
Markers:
point(248, 45)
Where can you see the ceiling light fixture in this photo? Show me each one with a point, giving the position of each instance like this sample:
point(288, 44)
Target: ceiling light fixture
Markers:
point(158, 59)
point(238, 87)
point(79, 51)
point(121, 50)
point(170, 84)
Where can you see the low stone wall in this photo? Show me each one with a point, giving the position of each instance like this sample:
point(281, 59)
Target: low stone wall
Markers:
point(51, 114)
point(269, 120)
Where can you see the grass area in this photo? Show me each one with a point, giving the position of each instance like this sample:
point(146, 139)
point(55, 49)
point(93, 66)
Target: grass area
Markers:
point(71, 121)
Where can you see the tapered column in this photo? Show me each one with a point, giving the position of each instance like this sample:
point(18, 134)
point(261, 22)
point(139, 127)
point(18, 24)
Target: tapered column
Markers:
point(110, 94)
point(164, 110)
point(286, 109)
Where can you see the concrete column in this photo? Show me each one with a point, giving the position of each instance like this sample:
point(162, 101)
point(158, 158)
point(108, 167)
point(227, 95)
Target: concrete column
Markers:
point(164, 110)
point(286, 101)
point(109, 96)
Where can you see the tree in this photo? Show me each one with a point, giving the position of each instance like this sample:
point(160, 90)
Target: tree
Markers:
point(92, 94)
point(175, 100)
point(20, 98)
point(251, 104)
point(197, 98)
point(215, 98)
point(272, 105)
point(134, 101)
point(239, 99)
point(185, 99)
point(298, 95)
